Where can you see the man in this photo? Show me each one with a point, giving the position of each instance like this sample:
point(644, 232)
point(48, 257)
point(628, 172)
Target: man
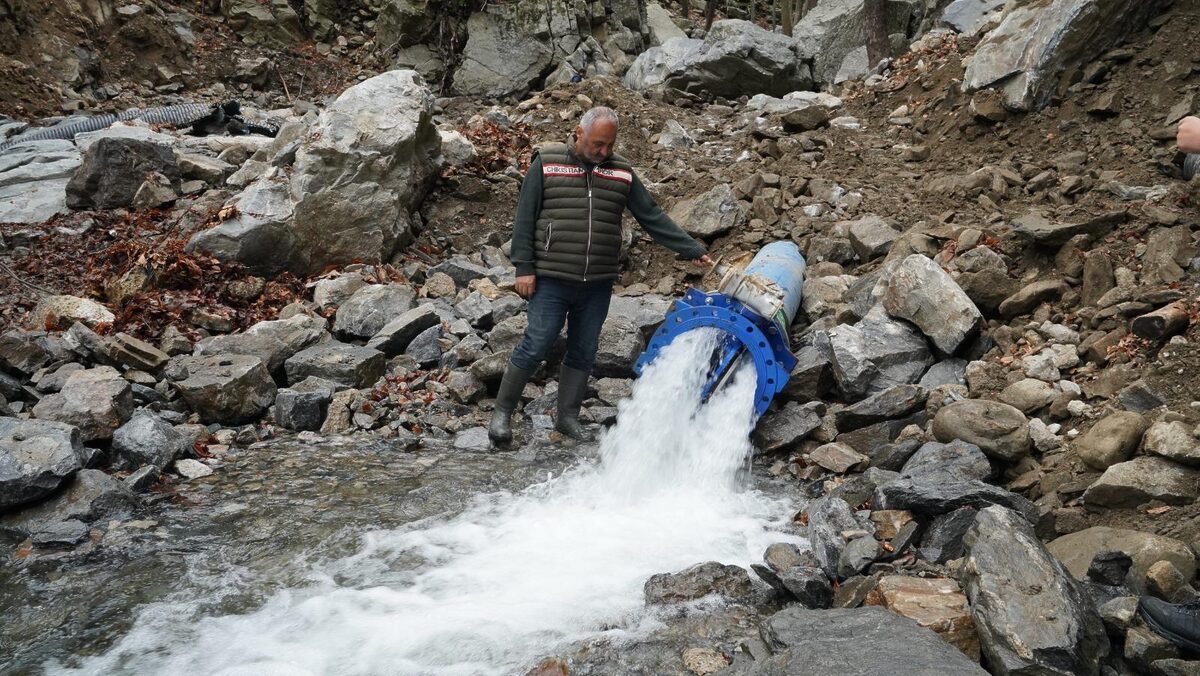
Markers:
point(566, 244)
point(1188, 139)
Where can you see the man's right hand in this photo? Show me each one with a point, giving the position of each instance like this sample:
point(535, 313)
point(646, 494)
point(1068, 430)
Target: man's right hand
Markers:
point(526, 285)
point(1188, 136)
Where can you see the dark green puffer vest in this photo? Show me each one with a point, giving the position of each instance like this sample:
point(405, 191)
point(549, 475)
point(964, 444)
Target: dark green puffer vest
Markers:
point(578, 234)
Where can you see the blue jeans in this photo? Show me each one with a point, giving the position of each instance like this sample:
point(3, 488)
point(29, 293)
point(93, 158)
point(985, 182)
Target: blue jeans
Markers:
point(582, 306)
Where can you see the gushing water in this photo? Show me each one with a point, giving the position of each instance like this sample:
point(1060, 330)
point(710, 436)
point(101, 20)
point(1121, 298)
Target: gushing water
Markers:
point(513, 577)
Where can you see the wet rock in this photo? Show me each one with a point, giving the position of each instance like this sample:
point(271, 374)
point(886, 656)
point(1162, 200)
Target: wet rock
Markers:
point(1000, 430)
point(192, 469)
point(712, 214)
point(1128, 484)
point(96, 400)
point(828, 518)
point(90, 497)
point(114, 167)
point(148, 440)
point(894, 402)
point(876, 353)
point(58, 313)
point(301, 411)
point(36, 457)
point(736, 57)
point(934, 603)
point(350, 205)
point(229, 389)
point(142, 479)
point(395, 336)
point(943, 538)
point(1077, 551)
point(1174, 441)
point(349, 365)
point(918, 290)
point(371, 308)
point(1111, 440)
point(697, 582)
point(425, 348)
point(958, 458)
point(867, 640)
point(1176, 667)
point(473, 439)
point(934, 494)
point(858, 554)
point(60, 534)
point(812, 376)
point(784, 429)
point(1030, 613)
point(273, 342)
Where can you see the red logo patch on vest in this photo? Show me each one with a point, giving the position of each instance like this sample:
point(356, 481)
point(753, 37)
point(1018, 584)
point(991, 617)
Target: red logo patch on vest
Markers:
point(616, 175)
point(561, 170)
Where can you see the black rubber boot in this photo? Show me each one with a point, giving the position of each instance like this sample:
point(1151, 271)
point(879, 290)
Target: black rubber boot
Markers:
point(1179, 623)
point(572, 386)
point(507, 399)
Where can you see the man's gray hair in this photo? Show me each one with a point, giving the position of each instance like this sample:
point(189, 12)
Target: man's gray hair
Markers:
point(596, 114)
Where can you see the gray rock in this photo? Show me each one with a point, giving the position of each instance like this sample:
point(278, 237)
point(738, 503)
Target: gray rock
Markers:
point(509, 47)
point(958, 458)
point(948, 372)
point(1030, 296)
point(490, 369)
point(425, 348)
point(812, 377)
point(464, 387)
point(395, 336)
point(894, 402)
point(876, 353)
point(1129, 484)
point(1039, 229)
point(621, 342)
point(148, 440)
point(333, 291)
point(934, 494)
point(460, 269)
point(999, 429)
point(784, 429)
point(192, 469)
point(60, 312)
point(476, 309)
point(141, 479)
point(272, 23)
point(60, 534)
point(371, 308)
point(697, 582)
point(259, 234)
point(831, 34)
point(112, 170)
point(828, 518)
point(273, 342)
point(943, 538)
point(871, 237)
point(96, 400)
point(1174, 441)
point(1028, 395)
point(301, 411)
point(674, 135)
point(507, 334)
point(918, 290)
point(1031, 615)
point(473, 439)
point(712, 214)
point(736, 57)
point(33, 180)
point(867, 640)
point(128, 351)
point(892, 456)
point(350, 205)
point(90, 497)
point(226, 389)
point(969, 16)
point(349, 365)
point(1077, 550)
point(36, 456)
point(1025, 56)
point(858, 554)
point(1111, 440)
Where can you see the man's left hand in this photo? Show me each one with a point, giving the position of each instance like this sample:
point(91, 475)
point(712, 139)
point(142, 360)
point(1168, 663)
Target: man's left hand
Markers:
point(702, 261)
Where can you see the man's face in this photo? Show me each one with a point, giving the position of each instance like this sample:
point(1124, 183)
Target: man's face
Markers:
point(596, 145)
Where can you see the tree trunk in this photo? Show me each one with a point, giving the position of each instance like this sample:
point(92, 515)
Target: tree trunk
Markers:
point(1163, 322)
point(710, 11)
point(786, 17)
point(686, 7)
point(874, 31)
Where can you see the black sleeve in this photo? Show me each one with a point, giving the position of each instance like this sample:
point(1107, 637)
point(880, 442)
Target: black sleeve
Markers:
point(529, 207)
point(660, 226)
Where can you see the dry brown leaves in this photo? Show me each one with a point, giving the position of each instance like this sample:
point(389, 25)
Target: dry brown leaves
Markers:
point(495, 147)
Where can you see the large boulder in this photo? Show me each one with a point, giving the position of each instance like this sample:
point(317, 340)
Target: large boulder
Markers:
point(90, 496)
point(259, 234)
point(1032, 616)
point(96, 400)
point(229, 389)
point(395, 336)
point(36, 456)
point(1174, 441)
point(510, 46)
point(349, 365)
point(867, 640)
point(1111, 440)
point(371, 308)
point(273, 23)
point(1076, 551)
point(274, 342)
point(999, 429)
point(697, 582)
point(831, 33)
point(365, 166)
point(875, 354)
point(712, 214)
point(620, 344)
point(920, 291)
point(1146, 478)
point(33, 180)
point(114, 167)
point(735, 58)
point(148, 440)
point(1040, 42)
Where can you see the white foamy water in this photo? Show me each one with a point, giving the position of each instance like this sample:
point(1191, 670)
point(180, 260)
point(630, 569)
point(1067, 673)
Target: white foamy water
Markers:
point(515, 576)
